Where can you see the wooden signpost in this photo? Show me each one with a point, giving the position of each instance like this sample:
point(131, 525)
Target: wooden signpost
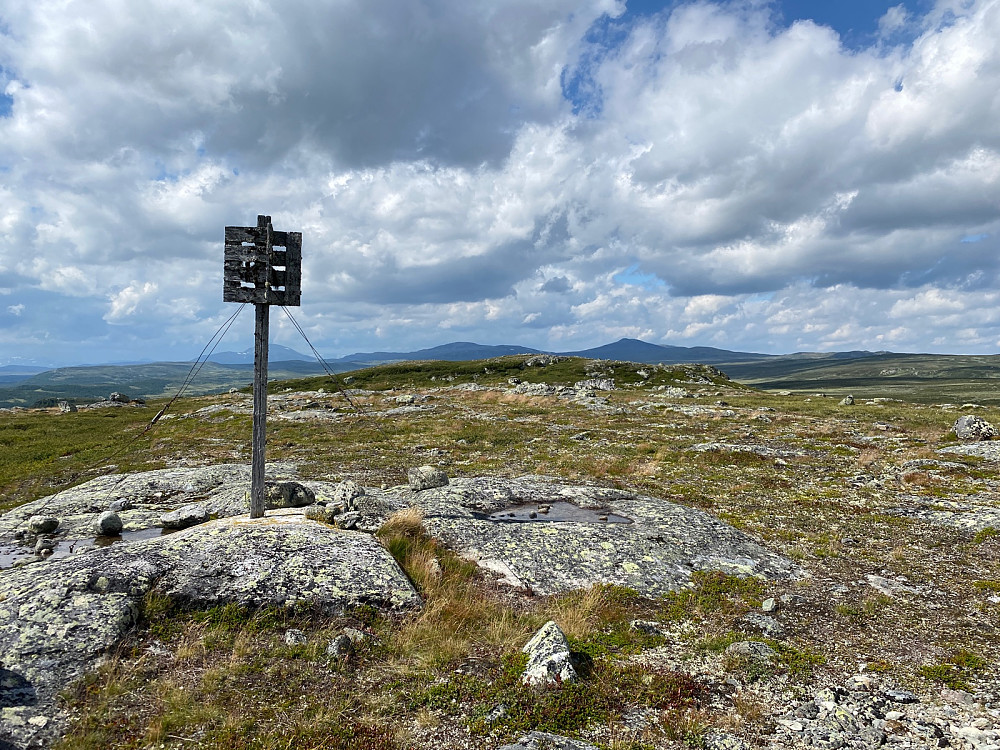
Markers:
point(263, 267)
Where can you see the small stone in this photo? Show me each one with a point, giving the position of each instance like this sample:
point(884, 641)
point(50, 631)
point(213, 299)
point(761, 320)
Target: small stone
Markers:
point(769, 605)
point(347, 493)
point(43, 546)
point(120, 504)
point(647, 626)
point(500, 710)
point(109, 523)
point(182, 518)
point(900, 696)
point(322, 513)
point(294, 637)
point(795, 726)
point(287, 495)
point(426, 478)
point(340, 647)
point(971, 428)
point(847, 401)
point(957, 696)
point(763, 624)
point(356, 636)
point(894, 715)
point(862, 682)
point(43, 524)
point(118, 398)
point(548, 658)
point(347, 521)
point(757, 650)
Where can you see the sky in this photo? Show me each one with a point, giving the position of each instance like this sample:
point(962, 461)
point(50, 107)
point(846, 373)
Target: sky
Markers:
point(759, 175)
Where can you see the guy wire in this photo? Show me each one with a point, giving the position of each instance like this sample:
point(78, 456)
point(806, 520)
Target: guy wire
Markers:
point(329, 371)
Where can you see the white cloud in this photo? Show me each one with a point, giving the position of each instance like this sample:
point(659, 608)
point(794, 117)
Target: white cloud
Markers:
point(791, 193)
point(124, 303)
point(16, 310)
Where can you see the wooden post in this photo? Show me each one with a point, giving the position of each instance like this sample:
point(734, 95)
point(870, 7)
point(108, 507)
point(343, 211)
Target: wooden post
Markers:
point(257, 272)
point(260, 337)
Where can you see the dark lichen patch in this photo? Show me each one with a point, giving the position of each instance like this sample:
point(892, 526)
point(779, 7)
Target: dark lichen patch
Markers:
point(556, 512)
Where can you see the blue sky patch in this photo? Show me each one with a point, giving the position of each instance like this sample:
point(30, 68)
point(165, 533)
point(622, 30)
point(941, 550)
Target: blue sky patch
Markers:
point(973, 238)
point(633, 276)
point(855, 20)
point(6, 101)
point(578, 85)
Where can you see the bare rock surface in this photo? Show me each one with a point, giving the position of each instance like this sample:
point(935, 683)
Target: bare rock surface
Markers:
point(656, 553)
point(987, 449)
point(57, 618)
point(547, 741)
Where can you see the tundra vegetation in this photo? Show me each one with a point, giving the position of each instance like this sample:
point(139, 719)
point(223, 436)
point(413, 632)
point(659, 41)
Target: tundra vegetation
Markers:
point(903, 575)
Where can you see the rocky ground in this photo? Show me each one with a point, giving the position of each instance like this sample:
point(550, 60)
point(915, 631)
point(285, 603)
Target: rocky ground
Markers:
point(872, 531)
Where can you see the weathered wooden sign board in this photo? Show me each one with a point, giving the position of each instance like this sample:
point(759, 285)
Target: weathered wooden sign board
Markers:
point(263, 267)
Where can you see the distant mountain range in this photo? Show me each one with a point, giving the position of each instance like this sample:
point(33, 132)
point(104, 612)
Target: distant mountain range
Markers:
point(275, 353)
point(632, 350)
point(941, 377)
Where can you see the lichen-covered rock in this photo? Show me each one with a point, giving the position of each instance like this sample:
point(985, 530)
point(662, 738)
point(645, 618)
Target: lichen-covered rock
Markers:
point(546, 741)
point(322, 513)
point(847, 401)
point(549, 661)
point(347, 520)
point(287, 495)
point(426, 478)
point(295, 637)
point(182, 518)
point(108, 524)
point(340, 647)
point(654, 554)
point(971, 428)
point(346, 494)
point(596, 384)
point(58, 617)
point(43, 524)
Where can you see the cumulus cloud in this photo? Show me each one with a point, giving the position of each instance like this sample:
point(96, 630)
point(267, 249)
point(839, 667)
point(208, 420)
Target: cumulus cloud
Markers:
point(555, 175)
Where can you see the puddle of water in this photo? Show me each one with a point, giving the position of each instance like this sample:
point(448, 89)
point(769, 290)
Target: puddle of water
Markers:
point(9, 556)
point(131, 536)
point(555, 512)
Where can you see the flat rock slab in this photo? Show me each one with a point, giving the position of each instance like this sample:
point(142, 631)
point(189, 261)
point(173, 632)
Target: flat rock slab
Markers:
point(990, 450)
point(655, 554)
point(971, 513)
point(58, 617)
point(222, 489)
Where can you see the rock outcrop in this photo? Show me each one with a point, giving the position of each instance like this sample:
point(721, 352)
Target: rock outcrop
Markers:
point(655, 551)
point(58, 617)
point(971, 429)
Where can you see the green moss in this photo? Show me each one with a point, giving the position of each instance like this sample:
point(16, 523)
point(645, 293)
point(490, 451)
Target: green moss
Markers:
point(714, 592)
point(983, 534)
point(956, 670)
